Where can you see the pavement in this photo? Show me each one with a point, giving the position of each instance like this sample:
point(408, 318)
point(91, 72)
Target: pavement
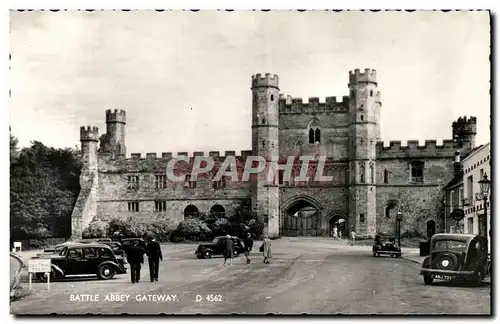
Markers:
point(306, 275)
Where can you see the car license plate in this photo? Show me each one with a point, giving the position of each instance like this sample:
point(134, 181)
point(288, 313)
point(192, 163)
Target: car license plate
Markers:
point(442, 277)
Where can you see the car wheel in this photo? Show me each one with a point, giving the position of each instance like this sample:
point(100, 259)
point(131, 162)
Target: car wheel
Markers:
point(106, 272)
point(428, 279)
point(207, 254)
point(235, 254)
point(43, 276)
point(374, 254)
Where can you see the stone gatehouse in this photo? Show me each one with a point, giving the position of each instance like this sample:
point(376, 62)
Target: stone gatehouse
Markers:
point(371, 182)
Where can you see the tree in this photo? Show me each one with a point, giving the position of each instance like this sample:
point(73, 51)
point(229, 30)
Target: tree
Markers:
point(44, 186)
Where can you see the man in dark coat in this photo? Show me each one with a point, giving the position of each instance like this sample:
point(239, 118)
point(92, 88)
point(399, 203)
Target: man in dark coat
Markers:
point(153, 250)
point(135, 257)
point(248, 246)
point(228, 250)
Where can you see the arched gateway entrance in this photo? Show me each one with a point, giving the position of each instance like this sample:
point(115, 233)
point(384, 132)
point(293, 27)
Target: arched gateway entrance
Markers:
point(301, 216)
point(338, 222)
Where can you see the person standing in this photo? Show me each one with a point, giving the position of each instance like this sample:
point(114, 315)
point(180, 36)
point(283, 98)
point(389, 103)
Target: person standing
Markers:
point(135, 257)
point(228, 250)
point(353, 236)
point(340, 234)
point(153, 250)
point(248, 246)
point(335, 233)
point(266, 249)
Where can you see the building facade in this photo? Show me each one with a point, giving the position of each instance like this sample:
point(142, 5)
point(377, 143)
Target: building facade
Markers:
point(453, 202)
point(475, 166)
point(371, 182)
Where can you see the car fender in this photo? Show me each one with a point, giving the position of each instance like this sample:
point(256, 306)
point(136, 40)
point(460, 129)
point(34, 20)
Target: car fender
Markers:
point(57, 269)
point(426, 263)
point(114, 264)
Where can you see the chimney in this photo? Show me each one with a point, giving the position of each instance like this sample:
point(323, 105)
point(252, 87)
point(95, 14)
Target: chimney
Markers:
point(457, 165)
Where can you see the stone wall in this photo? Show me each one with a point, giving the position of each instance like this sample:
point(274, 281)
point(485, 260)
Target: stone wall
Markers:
point(418, 202)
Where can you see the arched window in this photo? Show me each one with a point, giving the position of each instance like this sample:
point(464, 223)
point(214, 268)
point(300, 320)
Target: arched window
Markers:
point(386, 176)
point(371, 93)
point(387, 212)
point(314, 131)
point(372, 173)
point(272, 97)
point(362, 173)
point(191, 211)
point(317, 136)
point(218, 211)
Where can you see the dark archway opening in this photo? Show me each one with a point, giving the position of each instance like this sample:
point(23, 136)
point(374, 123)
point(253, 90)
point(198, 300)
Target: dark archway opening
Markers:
point(191, 211)
point(301, 219)
point(218, 211)
point(431, 228)
point(339, 223)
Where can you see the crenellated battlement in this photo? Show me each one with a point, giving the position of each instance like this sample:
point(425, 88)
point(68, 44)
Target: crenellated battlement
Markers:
point(465, 126)
point(368, 76)
point(268, 80)
point(412, 149)
point(116, 116)
point(291, 105)
point(89, 133)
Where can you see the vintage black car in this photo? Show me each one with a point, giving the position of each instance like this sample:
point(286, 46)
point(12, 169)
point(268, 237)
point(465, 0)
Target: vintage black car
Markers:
point(115, 246)
point(57, 248)
point(386, 246)
point(128, 242)
point(92, 259)
point(207, 250)
point(456, 256)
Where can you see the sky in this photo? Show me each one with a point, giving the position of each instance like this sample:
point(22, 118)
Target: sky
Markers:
point(184, 77)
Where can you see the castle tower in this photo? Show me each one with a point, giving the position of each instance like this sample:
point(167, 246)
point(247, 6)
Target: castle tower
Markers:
point(464, 134)
point(364, 104)
point(85, 208)
point(265, 122)
point(89, 137)
point(115, 132)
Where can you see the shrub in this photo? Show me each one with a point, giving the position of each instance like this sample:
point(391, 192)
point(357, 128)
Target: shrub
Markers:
point(159, 229)
point(95, 230)
point(192, 230)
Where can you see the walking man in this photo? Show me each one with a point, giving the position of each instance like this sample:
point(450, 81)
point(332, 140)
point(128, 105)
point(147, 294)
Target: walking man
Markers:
point(353, 236)
point(266, 249)
point(153, 251)
point(228, 250)
point(248, 246)
point(135, 257)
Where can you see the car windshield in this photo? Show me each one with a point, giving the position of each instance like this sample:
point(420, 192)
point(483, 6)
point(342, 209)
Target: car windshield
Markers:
point(450, 245)
point(60, 250)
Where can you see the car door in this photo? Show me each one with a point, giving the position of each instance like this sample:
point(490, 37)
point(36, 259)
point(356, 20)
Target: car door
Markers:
point(74, 261)
point(219, 247)
point(92, 260)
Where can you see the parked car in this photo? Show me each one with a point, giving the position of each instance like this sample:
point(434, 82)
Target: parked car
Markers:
point(115, 246)
point(57, 248)
point(128, 242)
point(93, 259)
point(456, 256)
point(216, 247)
point(386, 246)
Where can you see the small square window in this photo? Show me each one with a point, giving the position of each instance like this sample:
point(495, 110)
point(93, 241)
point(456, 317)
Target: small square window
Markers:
point(361, 218)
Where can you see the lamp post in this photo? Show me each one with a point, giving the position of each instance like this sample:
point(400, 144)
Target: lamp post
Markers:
point(399, 218)
point(484, 186)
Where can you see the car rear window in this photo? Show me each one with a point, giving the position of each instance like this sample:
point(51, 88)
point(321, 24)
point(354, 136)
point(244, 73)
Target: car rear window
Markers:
point(450, 245)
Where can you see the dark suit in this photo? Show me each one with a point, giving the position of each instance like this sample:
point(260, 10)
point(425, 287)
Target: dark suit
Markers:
point(135, 257)
point(153, 251)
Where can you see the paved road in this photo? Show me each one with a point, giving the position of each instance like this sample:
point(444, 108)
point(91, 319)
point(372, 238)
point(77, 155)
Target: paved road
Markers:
point(306, 276)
